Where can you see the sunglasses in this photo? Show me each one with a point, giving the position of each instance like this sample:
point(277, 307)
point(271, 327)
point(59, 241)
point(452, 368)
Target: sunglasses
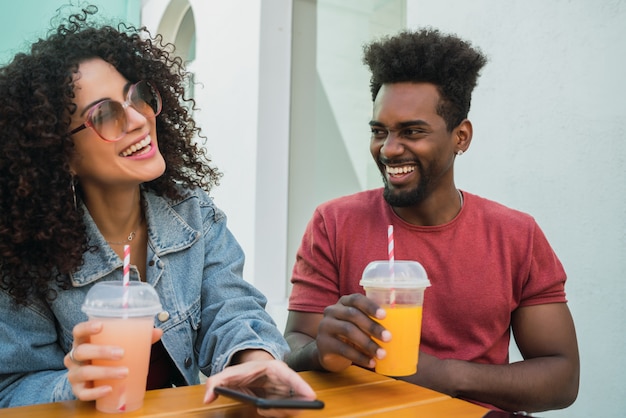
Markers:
point(108, 118)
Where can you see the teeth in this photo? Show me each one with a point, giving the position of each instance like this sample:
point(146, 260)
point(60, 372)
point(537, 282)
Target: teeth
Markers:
point(400, 170)
point(136, 147)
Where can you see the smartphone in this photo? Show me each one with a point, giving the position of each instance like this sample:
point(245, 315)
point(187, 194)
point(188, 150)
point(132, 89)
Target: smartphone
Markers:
point(267, 399)
point(500, 414)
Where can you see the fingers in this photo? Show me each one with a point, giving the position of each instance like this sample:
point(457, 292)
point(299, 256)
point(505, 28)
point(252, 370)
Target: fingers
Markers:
point(335, 353)
point(230, 376)
point(81, 378)
point(83, 331)
point(270, 373)
point(157, 333)
point(279, 374)
point(363, 304)
point(71, 356)
point(85, 353)
point(239, 375)
point(345, 333)
point(359, 311)
point(81, 371)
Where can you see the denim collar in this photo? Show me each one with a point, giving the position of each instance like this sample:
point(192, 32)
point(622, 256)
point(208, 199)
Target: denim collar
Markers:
point(170, 234)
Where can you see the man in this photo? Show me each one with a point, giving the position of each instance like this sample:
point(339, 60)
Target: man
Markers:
point(491, 268)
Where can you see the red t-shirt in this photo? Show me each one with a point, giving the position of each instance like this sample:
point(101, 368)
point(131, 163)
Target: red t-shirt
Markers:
point(485, 263)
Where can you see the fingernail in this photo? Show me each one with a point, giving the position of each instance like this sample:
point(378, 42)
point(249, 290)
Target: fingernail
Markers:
point(385, 336)
point(380, 354)
point(117, 353)
point(381, 313)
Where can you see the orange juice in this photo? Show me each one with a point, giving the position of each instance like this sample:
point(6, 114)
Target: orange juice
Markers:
point(405, 324)
point(134, 335)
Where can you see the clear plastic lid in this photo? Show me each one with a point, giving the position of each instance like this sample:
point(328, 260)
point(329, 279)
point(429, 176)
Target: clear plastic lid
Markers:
point(399, 274)
point(113, 299)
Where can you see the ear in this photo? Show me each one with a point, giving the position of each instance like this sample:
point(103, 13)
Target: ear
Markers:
point(463, 136)
point(72, 163)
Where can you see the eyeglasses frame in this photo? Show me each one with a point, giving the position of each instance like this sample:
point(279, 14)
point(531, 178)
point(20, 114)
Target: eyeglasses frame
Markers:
point(127, 103)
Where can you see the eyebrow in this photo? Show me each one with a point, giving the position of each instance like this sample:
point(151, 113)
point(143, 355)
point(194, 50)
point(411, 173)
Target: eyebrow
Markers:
point(401, 125)
point(92, 104)
point(102, 99)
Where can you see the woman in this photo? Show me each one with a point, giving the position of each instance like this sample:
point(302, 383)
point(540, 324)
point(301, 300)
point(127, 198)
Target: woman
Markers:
point(97, 152)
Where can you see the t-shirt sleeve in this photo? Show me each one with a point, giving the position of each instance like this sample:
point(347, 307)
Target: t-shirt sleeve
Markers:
point(546, 276)
point(314, 276)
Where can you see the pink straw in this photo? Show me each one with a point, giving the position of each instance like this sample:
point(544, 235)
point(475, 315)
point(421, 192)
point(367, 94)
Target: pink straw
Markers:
point(126, 277)
point(390, 246)
point(125, 284)
point(392, 257)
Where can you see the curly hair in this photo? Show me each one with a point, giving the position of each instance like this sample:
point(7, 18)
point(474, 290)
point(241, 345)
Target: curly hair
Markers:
point(427, 55)
point(42, 233)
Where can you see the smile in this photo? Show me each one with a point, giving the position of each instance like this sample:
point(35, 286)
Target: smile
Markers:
point(397, 171)
point(137, 148)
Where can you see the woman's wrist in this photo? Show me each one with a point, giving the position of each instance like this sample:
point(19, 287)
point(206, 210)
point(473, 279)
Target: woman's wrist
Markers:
point(250, 355)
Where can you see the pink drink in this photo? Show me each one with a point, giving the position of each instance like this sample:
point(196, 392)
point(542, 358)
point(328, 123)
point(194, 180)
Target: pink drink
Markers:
point(126, 311)
point(134, 336)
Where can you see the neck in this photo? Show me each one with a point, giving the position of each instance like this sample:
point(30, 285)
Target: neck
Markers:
point(436, 209)
point(116, 215)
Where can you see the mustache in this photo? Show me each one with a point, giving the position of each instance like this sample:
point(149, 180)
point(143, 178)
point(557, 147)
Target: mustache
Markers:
point(396, 161)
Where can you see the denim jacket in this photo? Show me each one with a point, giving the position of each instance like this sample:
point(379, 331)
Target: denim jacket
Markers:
point(194, 263)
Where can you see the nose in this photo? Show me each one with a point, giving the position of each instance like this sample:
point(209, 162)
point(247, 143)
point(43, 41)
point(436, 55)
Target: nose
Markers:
point(392, 146)
point(134, 117)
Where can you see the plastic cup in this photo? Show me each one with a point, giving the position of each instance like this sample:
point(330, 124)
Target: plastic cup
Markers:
point(398, 287)
point(127, 314)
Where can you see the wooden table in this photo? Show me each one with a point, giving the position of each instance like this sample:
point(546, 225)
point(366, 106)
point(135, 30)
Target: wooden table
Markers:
point(354, 392)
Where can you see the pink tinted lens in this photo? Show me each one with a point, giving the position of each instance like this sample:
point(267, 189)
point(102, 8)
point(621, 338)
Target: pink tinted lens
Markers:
point(108, 119)
point(145, 99)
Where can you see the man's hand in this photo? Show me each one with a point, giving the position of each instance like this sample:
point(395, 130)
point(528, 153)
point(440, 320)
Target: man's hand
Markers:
point(546, 379)
point(338, 338)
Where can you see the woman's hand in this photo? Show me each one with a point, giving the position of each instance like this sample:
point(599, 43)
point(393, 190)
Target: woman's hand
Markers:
point(81, 371)
point(261, 372)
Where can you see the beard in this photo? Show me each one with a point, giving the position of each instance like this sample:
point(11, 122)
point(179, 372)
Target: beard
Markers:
point(409, 197)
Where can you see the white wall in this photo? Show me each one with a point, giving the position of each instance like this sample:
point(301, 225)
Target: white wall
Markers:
point(246, 123)
point(549, 139)
point(226, 66)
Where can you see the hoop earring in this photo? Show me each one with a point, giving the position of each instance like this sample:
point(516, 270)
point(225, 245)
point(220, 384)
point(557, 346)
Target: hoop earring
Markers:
point(73, 192)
